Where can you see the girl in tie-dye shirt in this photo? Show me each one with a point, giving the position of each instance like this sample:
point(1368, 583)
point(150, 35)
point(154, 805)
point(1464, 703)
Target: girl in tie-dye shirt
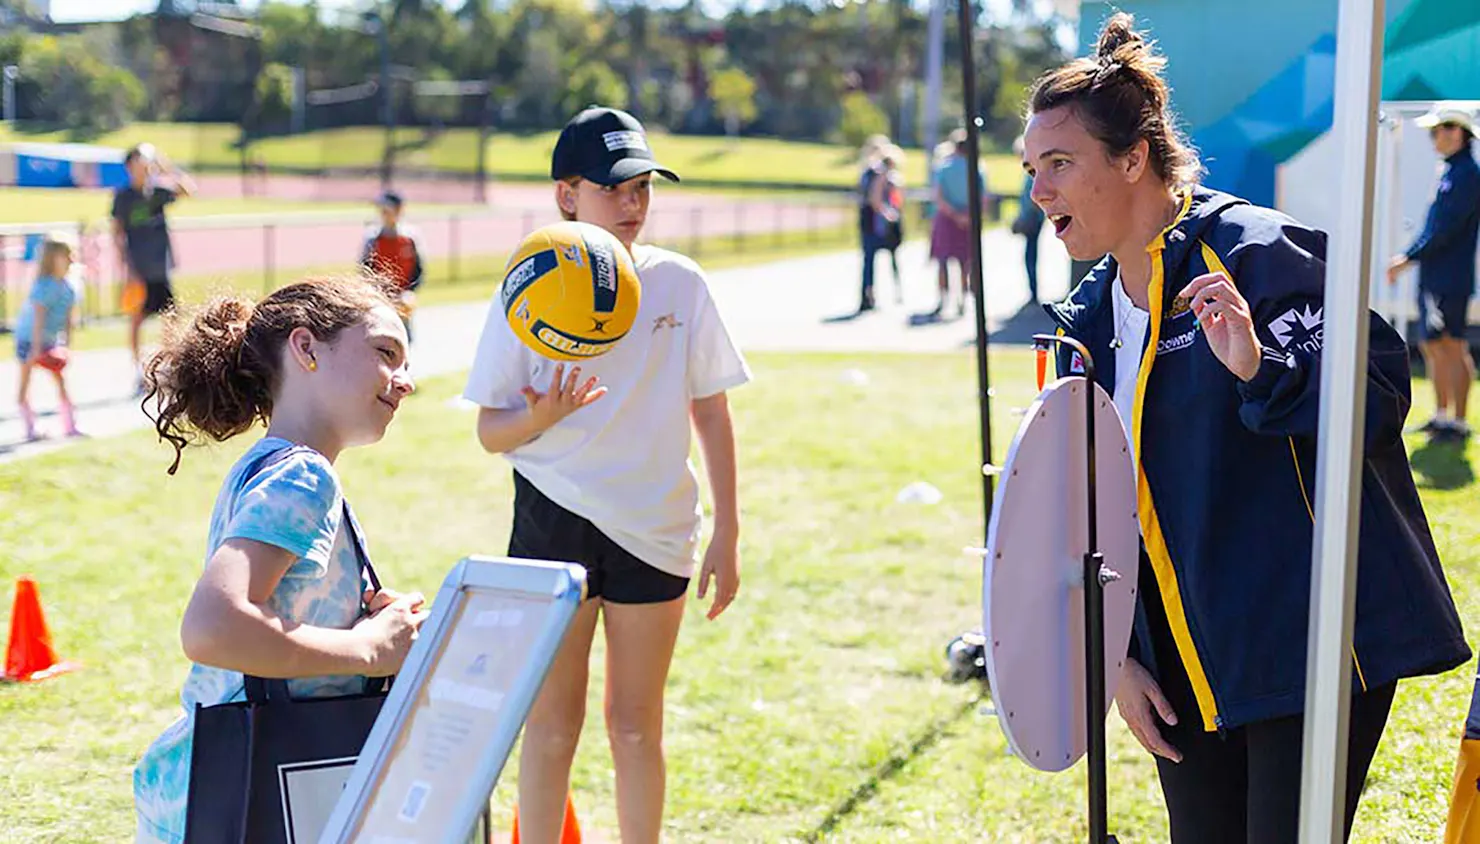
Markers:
point(323, 363)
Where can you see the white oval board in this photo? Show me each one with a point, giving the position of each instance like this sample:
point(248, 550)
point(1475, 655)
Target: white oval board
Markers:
point(1032, 595)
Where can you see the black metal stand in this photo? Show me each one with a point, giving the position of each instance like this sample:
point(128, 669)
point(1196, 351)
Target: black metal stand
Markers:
point(1096, 575)
point(974, 206)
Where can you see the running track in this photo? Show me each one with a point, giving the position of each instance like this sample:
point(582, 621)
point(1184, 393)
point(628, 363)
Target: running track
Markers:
point(292, 242)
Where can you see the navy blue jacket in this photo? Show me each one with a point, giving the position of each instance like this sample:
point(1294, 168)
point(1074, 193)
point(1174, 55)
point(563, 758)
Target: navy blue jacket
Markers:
point(1226, 479)
point(1445, 249)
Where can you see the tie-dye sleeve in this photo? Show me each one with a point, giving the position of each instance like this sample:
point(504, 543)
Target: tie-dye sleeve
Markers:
point(295, 504)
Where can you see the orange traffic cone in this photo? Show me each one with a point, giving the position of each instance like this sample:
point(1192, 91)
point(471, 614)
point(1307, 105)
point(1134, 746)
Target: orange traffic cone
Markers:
point(29, 656)
point(570, 831)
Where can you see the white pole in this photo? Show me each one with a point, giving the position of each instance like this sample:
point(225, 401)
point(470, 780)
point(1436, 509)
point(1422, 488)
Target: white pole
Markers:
point(11, 72)
point(1343, 399)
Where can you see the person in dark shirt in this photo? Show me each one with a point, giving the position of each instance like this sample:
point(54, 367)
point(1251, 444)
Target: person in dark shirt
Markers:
point(143, 237)
point(1445, 254)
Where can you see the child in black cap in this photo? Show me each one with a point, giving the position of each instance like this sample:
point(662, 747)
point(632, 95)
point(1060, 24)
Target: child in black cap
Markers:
point(602, 477)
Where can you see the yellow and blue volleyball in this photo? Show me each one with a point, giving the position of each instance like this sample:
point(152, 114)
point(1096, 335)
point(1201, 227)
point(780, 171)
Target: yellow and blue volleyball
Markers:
point(571, 291)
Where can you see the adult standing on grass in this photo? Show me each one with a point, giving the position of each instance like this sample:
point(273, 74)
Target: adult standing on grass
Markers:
point(1445, 254)
point(602, 478)
point(950, 229)
point(1203, 321)
point(142, 235)
point(284, 593)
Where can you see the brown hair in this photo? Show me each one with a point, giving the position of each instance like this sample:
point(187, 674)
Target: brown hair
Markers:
point(219, 367)
point(56, 243)
point(1121, 97)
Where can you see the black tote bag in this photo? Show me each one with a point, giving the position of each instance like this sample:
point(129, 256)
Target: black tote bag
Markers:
point(268, 769)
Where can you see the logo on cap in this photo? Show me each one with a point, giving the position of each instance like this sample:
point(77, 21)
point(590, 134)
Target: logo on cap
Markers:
point(625, 139)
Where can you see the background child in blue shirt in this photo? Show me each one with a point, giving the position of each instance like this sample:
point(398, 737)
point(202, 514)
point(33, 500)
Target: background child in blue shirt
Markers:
point(43, 329)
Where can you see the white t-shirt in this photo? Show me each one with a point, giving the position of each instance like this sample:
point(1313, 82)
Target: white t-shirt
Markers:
point(1130, 324)
point(622, 462)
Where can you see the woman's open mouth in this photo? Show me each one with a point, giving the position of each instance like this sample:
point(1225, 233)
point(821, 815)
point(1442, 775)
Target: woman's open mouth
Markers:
point(1061, 223)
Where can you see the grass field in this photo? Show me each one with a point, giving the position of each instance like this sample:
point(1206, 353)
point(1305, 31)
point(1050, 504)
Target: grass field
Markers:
point(812, 711)
point(709, 159)
point(48, 205)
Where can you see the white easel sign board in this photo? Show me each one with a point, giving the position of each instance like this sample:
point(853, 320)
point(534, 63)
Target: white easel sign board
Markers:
point(455, 711)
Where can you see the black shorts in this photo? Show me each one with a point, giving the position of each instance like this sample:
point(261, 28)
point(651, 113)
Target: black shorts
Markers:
point(158, 297)
point(543, 530)
point(1442, 314)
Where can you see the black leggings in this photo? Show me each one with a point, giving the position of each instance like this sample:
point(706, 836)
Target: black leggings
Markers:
point(1243, 786)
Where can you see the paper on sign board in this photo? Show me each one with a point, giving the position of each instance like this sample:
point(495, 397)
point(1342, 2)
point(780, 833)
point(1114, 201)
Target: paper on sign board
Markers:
point(462, 700)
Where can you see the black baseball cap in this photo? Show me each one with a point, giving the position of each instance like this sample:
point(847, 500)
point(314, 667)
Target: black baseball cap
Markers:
point(606, 146)
point(389, 199)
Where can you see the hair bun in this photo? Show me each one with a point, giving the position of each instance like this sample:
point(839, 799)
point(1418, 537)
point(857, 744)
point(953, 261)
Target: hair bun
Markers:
point(1121, 96)
point(1119, 32)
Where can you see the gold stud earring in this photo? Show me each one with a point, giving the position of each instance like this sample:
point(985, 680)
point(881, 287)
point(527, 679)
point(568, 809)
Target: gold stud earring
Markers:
point(313, 364)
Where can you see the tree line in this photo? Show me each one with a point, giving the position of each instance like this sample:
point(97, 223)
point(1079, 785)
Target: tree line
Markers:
point(827, 70)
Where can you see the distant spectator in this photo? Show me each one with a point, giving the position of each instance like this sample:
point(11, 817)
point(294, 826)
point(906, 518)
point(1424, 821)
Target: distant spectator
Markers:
point(143, 238)
point(882, 220)
point(868, 154)
point(950, 231)
point(1445, 254)
point(1029, 224)
point(44, 330)
point(869, 169)
point(392, 251)
point(887, 195)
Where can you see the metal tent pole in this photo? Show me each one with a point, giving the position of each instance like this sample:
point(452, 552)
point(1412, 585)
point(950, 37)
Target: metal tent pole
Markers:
point(1339, 451)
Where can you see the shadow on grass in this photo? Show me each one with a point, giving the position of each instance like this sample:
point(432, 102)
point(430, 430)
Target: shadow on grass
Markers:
point(1442, 465)
point(715, 154)
point(52, 412)
point(1019, 329)
point(890, 768)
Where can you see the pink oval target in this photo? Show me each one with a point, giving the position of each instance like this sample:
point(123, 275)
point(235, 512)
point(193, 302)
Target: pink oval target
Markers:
point(1033, 597)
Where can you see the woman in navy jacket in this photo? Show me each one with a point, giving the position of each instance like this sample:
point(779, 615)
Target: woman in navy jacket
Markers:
point(1204, 321)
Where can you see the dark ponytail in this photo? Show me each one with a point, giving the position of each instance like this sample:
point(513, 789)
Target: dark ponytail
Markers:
point(218, 369)
point(1120, 96)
